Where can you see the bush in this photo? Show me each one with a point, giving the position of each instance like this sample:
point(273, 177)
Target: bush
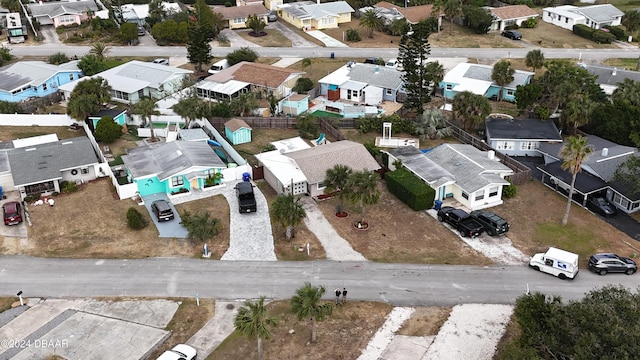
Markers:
point(618, 32)
point(107, 130)
point(68, 187)
point(58, 58)
point(512, 27)
point(529, 23)
point(303, 85)
point(409, 189)
point(242, 54)
point(509, 191)
point(353, 35)
point(583, 31)
point(603, 37)
point(306, 126)
point(135, 220)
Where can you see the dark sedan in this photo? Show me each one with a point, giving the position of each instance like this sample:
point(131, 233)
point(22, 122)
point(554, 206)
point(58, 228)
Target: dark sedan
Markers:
point(601, 206)
point(512, 34)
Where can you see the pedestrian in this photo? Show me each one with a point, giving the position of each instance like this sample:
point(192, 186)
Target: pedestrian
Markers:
point(344, 295)
point(338, 295)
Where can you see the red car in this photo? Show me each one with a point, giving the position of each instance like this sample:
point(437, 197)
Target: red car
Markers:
point(12, 213)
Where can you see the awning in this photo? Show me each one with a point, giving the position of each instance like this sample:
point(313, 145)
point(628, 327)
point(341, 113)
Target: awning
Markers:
point(333, 87)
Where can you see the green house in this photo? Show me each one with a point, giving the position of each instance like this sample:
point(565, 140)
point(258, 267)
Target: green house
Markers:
point(237, 131)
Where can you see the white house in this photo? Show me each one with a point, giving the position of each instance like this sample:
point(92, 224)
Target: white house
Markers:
point(138, 13)
point(511, 15)
point(134, 80)
point(594, 16)
point(609, 77)
point(473, 177)
point(364, 84)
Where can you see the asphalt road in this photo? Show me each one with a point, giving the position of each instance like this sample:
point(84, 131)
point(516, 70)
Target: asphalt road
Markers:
point(595, 55)
point(397, 284)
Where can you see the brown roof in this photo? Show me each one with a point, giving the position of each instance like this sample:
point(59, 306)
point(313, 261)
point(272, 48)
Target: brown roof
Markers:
point(314, 162)
point(513, 12)
point(414, 13)
point(233, 12)
point(254, 73)
point(236, 124)
point(297, 97)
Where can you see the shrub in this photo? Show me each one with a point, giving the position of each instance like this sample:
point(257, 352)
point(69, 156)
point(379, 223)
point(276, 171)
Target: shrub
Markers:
point(529, 23)
point(353, 35)
point(108, 130)
point(306, 126)
point(242, 54)
point(409, 189)
point(58, 58)
point(602, 37)
point(512, 27)
point(618, 32)
point(583, 31)
point(509, 191)
point(68, 187)
point(303, 85)
point(135, 220)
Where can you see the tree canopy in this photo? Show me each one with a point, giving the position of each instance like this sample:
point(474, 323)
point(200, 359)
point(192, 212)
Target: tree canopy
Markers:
point(108, 130)
point(574, 151)
point(242, 54)
point(503, 75)
point(419, 78)
point(371, 21)
point(470, 109)
point(307, 304)
point(87, 98)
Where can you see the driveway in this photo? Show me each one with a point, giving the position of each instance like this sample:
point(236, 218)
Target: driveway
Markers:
point(50, 35)
point(326, 39)
point(296, 40)
point(167, 229)
point(236, 40)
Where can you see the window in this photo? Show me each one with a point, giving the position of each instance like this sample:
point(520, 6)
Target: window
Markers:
point(84, 170)
point(529, 145)
point(44, 87)
point(70, 76)
point(465, 195)
point(65, 19)
point(389, 92)
point(510, 92)
point(240, 20)
point(210, 172)
point(39, 188)
point(479, 195)
point(566, 20)
point(177, 181)
point(141, 93)
point(493, 191)
point(321, 185)
point(449, 86)
point(327, 21)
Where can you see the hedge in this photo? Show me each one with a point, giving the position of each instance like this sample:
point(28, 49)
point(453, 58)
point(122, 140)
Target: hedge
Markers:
point(409, 189)
point(617, 31)
point(599, 36)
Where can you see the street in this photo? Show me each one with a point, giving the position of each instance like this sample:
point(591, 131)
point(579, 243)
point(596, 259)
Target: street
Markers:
point(396, 284)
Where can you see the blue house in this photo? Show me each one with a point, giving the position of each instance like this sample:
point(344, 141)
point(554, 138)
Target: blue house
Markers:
point(237, 131)
point(172, 167)
point(476, 78)
point(29, 79)
point(294, 104)
point(119, 116)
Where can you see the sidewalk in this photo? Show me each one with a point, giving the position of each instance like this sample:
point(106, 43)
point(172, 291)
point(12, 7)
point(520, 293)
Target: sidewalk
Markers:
point(326, 39)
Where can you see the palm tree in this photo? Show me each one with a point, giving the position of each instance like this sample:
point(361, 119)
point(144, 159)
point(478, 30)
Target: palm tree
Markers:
point(335, 181)
point(252, 322)
point(11, 5)
point(452, 8)
point(81, 106)
point(100, 50)
point(503, 75)
point(189, 108)
point(534, 59)
point(433, 125)
point(435, 73)
point(371, 21)
point(576, 111)
point(574, 151)
point(201, 226)
point(361, 188)
point(438, 7)
point(470, 108)
point(631, 21)
point(146, 108)
point(306, 305)
point(287, 211)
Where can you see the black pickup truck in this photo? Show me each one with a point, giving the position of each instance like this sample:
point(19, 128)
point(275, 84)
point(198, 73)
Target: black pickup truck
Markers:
point(461, 221)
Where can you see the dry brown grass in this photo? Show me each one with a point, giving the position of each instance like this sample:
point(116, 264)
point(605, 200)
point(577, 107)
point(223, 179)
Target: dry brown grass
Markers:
point(425, 321)
point(319, 68)
point(379, 40)
point(274, 38)
point(340, 336)
point(10, 133)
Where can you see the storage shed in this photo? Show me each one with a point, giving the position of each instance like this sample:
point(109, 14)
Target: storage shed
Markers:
point(237, 131)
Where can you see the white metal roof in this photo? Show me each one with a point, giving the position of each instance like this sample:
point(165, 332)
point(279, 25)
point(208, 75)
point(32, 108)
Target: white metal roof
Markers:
point(289, 145)
point(282, 167)
point(353, 85)
point(228, 88)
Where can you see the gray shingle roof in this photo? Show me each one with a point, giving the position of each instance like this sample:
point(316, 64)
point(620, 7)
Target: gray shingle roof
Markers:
point(314, 162)
point(169, 159)
point(414, 160)
point(386, 78)
point(33, 73)
point(483, 72)
point(600, 13)
point(44, 162)
point(608, 75)
point(499, 128)
point(54, 9)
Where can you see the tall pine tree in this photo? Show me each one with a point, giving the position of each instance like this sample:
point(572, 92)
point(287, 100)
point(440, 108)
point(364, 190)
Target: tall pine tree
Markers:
point(413, 54)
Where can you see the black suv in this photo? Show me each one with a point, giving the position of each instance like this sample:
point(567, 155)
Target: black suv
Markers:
point(512, 34)
point(162, 210)
point(493, 224)
point(606, 263)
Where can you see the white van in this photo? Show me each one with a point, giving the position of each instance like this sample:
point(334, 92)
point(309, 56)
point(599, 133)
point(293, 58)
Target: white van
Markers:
point(219, 66)
point(560, 263)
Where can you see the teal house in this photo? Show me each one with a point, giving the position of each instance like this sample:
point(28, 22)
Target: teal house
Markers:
point(237, 131)
point(172, 168)
point(294, 104)
point(119, 116)
point(476, 78)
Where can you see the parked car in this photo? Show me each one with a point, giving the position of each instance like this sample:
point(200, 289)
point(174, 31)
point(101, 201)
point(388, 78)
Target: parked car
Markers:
point(601, 206)
point(606, 262)
point(392, 63)
point(371, 60)
point(272, 17)
point(246, 197)
point(493, 224)
point(162, 210)
point(161, 61)
point(461, 221)
point(12, 213)
point(179, 352)
point(141, 31)
point(512, 34)
point(557, 262)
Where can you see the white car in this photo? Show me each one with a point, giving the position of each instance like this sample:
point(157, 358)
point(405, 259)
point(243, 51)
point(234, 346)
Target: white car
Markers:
point(161, 61)
point(393, 63)
point(179, 352)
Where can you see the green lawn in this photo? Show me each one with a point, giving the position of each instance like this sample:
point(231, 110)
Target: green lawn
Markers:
point(325, 114)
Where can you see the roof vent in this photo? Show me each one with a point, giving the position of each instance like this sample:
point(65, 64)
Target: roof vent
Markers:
point(491, 154)
point(614, 72)
point(377, 69)
point(605, 152)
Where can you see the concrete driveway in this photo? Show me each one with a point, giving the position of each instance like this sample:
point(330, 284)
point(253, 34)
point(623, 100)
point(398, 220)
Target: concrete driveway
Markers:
point(167, 229)
point(236, 40)
point(326, 39)
point(13, 231)
point(50, 35)
point(296, 40)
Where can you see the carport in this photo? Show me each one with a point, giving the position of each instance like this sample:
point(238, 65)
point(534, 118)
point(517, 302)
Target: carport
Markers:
point(558, 179)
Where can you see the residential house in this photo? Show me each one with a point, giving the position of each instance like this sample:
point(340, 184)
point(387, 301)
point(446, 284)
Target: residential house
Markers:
point(272, 5)
point(598, 173)
point(138, 13)
point(413, 14)
point(135, 79)
point(63, 13)
point(238, 131)
point(294, 104)
point(472, 177)
point(608, 77)
point(363, 84)
point(299, 169)
point(28, 79)
point(39, 168)
point(169, 167)
point(309, 15)
point(235, 17)
point(520, 137)
point(511, 15)
point(476, 78)
point(594, 16)
point(16, 32)
point(246, 76)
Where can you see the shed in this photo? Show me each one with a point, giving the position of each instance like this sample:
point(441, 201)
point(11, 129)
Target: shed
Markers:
point(294, 104)
point(237, 131)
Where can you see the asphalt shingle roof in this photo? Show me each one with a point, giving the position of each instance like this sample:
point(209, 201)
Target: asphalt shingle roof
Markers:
point(54, 9)
point(44, 162)
point(483, 72)
point(34, 73)
point(600, 13)
point(499, 128)
point(513, 12)
point(235, 124)
point(607, 75)
point(376, 75)
point(234, 12)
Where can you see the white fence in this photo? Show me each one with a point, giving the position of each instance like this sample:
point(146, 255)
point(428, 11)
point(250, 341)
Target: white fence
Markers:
point(36, 120)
